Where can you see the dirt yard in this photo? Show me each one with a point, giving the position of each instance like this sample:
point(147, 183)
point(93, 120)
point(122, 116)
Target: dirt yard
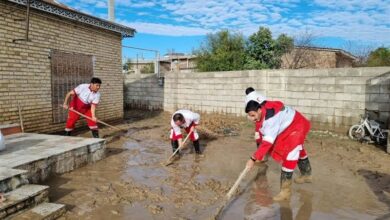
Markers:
point(351, 180)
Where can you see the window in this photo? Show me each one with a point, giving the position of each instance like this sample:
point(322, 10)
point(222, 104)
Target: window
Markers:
point(68, 70)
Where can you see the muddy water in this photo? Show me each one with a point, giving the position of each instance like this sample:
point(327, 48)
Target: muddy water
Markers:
point(132, 183)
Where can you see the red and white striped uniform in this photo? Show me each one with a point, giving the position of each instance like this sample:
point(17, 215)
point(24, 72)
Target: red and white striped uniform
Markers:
point(82, 100)
point(191, 119)
point(282, 131)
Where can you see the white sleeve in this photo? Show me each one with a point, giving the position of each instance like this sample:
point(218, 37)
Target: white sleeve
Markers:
point(96, 99)
point(196, 118)
point(78, 89)
point(175, 128)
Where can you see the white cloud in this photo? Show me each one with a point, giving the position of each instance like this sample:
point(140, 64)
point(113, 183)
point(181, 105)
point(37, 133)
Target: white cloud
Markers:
point(351, 19)
point(164, 29)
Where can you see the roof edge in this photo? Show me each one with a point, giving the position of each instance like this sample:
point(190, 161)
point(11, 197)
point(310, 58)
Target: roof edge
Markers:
point(78, 16)
point(345, 53)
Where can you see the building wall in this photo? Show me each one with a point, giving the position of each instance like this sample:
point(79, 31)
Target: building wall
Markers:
point(142, 91)
point(343, 61)
point(331, 98)
point(25, 74)
point(309, 59)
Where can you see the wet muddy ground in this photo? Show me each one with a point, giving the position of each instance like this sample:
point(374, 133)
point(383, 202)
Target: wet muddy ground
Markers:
point(351, 180)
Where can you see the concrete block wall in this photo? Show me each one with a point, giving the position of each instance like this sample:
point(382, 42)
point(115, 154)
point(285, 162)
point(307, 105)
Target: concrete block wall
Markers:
point(332, 99)
point(142, 91)
point(25, 73)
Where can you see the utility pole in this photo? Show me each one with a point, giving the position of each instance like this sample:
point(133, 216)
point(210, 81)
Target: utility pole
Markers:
point(157, 58)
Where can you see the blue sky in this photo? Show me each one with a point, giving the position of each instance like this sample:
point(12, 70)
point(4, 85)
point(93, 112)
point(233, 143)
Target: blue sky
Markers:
point(181, 25)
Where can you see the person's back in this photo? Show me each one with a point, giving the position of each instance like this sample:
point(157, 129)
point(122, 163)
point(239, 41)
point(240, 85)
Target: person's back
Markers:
point(188, 120)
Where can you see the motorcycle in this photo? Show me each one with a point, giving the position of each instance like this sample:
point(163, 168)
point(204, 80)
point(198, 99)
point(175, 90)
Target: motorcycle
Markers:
point(368, 130)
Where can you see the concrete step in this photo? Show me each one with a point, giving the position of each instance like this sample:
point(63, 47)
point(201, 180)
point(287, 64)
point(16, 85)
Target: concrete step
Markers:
point(22, 198)
point(44, 211)
point(11, 179)
point(43, 155)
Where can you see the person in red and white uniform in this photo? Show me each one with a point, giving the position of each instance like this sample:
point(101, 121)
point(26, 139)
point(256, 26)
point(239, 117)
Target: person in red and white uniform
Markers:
point(283, 131)
point(251, 94)
point(85, 98)
point(188, 120)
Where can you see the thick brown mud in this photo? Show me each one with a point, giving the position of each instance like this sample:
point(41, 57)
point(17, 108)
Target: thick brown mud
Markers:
point(351, 180)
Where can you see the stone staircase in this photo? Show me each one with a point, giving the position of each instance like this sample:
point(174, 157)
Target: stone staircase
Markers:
point(30, 159)
point(23, 200)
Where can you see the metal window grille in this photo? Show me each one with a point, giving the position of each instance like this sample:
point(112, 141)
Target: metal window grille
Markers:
point(68, 70)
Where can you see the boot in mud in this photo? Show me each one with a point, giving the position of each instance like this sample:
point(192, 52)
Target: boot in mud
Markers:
point(197, 148)
point(285, 186)
point(175, 145)
point(95, 133)
point(305, 169)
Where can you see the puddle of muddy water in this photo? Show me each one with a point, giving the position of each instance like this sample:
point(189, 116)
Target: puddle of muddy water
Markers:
point(135, 185)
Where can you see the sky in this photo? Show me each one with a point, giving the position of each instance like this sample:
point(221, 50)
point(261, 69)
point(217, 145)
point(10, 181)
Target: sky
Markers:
point(181, 25)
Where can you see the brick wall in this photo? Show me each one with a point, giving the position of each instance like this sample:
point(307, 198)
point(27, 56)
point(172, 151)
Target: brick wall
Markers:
point(25, 73)
point(308, 59)
point(331, 98)
point(141, 91)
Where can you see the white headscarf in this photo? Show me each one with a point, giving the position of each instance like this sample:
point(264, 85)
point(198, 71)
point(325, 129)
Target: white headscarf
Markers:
point(255, 96)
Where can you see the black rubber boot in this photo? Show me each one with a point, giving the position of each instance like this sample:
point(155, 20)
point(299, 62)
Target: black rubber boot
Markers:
point(175, 145)
point(95, 133)
point(197, 147)
point(285, 186)
point(68, 133)
point(304, 166)
point(305, 169)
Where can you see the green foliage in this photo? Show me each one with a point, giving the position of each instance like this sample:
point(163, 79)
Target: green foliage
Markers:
point(222, 51)
point(379, 57)
point(265, 52)
point(148, 68)
point(127, 65)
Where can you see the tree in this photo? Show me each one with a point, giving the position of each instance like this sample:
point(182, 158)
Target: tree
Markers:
point(379, 57)
point(300, 56)
point(360, 51)
point(264, 52)
point(222, 51)
point(127, 65)
point(148, 68)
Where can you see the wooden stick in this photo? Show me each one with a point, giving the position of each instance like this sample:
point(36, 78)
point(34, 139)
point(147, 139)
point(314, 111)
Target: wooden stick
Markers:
point(180, 147)
point(20, 117)
point(231, 192)
point(101, 122)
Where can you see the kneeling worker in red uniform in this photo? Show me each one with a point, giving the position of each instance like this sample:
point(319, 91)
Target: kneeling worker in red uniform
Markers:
point(85, 98)
point(188, 120)
point(283, 132)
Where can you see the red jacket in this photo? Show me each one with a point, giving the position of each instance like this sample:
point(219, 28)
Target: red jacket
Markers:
point(281, 129)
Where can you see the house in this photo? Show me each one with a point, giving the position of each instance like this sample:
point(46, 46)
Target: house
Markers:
point(46, 49)
point(317, 57)
point(169, 62)
point(298, 58)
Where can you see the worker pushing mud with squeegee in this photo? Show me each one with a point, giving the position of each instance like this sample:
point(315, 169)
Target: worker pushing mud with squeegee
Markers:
point(282, 132)
point(188, 120)
point(85, 98)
